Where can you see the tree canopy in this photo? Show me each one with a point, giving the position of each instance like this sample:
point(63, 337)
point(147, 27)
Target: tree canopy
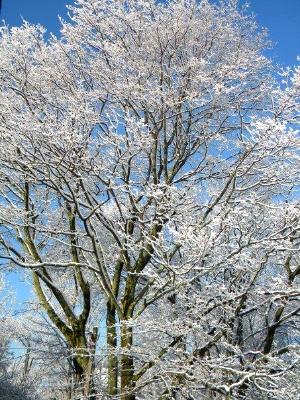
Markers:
point(149, 167)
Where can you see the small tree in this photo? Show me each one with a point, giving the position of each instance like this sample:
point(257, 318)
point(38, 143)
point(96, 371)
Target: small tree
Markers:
point(12, 385)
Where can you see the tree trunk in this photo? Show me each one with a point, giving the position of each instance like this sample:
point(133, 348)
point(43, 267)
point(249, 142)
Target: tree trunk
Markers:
point(89, 390)
point(112, 364)
point(80, 360)
point(127, 366)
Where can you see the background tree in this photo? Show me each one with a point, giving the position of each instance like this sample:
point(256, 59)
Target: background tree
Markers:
point(12, 383)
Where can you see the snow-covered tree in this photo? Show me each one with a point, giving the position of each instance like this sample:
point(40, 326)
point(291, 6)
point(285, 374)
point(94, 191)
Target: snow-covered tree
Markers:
point(12, 373)
point(151, 151)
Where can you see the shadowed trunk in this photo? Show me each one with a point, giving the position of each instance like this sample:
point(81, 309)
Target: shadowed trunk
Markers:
point(112, 363)
point(127, 366)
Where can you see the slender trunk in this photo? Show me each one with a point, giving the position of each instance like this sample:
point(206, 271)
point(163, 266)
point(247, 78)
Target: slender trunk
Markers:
point(112, 364)
point(127, 365)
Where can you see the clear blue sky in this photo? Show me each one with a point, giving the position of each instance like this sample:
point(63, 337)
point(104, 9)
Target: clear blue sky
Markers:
point(281, 17)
